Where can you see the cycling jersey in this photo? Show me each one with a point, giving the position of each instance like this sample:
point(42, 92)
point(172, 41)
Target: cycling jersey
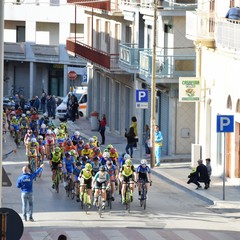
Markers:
point(101, 179)
point(95, 167)
point(86, 152)
point(111, 172)
point(23, 122)
point(32, 148)
point(56, 157)
point(143, 172)
point(86, 174)
point(68, 162)
point(50, 139)
point(127, 171)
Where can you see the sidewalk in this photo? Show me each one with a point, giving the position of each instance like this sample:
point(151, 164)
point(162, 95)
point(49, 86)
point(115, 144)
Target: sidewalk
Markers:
point(173, 170)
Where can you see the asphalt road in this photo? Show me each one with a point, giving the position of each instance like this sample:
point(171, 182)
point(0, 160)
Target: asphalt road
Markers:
point(171, 213)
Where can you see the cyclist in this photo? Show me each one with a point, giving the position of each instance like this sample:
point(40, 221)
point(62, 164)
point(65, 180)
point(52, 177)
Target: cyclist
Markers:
point(101, 181)
point(96, 141)
point(76, 172)
point(50, 142)
point(14, 126)
point(74, 154)
point(68, 146)
point(34, 126)
point(104, 158)
point(76, 138)
point(42, 144)
point(113, 155)
point(69, 164)
point(80, 147)
point(97, 152)
point(24, 125)
point(33, 150)
point(61, 136)
point(113, 173)
point(55, 163)
point(127, 174)
point(4, 127)
point(87, 151)
point(43, 130)
point(92, 143)
point(95, 165)
point(63, 126)
point(107, 149)
point(86, 181)
point(143, 174)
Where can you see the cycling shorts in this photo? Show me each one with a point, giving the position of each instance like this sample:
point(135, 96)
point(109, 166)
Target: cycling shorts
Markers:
point(55, 165)
point(69, 170)
point(32, 152)
point(15, 127)
point(88, 182)
point(61, 140)
point(127, 179)
point(102, 185)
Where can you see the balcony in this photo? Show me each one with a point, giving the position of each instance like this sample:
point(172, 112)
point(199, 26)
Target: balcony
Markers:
point(228, 32)
point(168, 68)
point(16, 51)
point(200, 26)
point(129, 57)
point(101, 59)
point(103, 6)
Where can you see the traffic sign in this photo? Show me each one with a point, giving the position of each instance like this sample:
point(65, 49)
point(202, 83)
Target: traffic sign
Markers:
point(72, 75)
point(142, 98)
point(5, 179)
point(225, 123)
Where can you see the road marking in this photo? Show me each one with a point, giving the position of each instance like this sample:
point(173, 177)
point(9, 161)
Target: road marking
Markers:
point(113, 235)
point(186, 235)
point(40, 236)
point(76, 235)
point(149, 234)
point(221, 236)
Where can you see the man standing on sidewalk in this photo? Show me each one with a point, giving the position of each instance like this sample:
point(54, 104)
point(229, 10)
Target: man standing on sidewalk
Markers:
point(25, 182)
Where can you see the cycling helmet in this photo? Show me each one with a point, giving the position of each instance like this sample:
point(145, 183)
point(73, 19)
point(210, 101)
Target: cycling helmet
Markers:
point(109, 146)
point(91, 140)
point(43, 126)
point(77, 133)
point(113, 150)
point(67, 154)
point(95, 158)
point(72, 152)
point(102, 169)
point(45, 115)
point(106, 155)
point(143, 162)
point(62, 125)
point(57, 149)
point(81, 141)
point(127, 156)
point(49, 131)
point(33, 140)
point(128, 162)
point(95, 138)
point(23, 115)
point(109, 162)
point(27, 112)
point(14, 117)
point(78, 164)
point(84, 158)
point(86, 146)
point(40, 137)
point(96, 150)
point(29, 131)
point(13, 113)
point(61, 131)
point(88, 166)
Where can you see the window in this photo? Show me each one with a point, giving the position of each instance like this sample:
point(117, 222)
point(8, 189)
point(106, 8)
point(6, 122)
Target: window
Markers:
point(20, 34)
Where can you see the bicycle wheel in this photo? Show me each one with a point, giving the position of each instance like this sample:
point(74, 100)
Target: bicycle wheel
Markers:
point(72, 190)
point(109, 199)
point(143, 198)
point(85, 202)
point(100, 205)
point(57, 182)
point(128, 200)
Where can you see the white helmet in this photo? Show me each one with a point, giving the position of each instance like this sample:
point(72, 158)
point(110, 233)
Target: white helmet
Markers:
point(55, 131)
point(40, 137)
point(143, 162)
point(23, 115)
point(91, 140)
point(33, 140)
point(43, 125)
point(27, 112)
point(45, 114)
point(77, 133)
point(49, 131)
point(106, 155)
point(127, 156)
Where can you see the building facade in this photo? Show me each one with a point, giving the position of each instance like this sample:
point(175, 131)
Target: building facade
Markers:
point(218, 60)
point(35, 55)
point(118, 44)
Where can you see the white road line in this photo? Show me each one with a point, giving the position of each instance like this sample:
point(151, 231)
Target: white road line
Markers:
point(221, 236)
point(150, 234)
point(76, 235)
point(40, 236)
point(187, 235)
point(114, 234)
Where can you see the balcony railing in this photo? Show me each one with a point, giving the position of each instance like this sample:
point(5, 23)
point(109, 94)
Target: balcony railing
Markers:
point(167, 67)
point(129, 57)
point(15, 50)
point(93, 55)
point(228, 34)
point(199, 25)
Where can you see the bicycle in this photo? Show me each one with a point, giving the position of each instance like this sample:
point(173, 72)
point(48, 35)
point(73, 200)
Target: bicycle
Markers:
point(57, 179)
point(109, 197)
point(128, 197)
point(32, 164)
point(84, 198)
point(70, 186)
point(99, 201)
point(143, 199)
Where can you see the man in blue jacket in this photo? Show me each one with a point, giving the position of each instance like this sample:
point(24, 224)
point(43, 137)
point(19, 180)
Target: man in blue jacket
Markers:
point(25, 182)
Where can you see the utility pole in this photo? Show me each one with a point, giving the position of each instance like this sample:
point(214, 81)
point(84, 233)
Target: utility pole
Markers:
point(153, 81)
point(1, 89)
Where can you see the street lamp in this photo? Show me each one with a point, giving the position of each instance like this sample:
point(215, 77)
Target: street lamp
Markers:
point(153, 81)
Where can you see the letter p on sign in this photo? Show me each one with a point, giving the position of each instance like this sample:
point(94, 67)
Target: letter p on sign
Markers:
point(225, 123)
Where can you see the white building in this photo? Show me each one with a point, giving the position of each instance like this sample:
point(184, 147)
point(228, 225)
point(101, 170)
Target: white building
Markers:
point(35, 55)
point(218, 56)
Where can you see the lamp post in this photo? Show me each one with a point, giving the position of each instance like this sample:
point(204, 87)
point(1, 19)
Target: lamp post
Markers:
point(153, 81)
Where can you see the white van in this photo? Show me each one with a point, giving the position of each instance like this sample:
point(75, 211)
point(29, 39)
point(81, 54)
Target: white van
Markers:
point(81, 94)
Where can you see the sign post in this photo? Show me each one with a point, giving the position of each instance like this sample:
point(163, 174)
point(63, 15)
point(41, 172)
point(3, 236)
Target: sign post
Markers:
point(141, 102)
point(225, 123)
point(72, 75)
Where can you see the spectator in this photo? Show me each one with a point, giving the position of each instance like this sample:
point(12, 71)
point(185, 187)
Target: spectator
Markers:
point(53, 106)
point(73, 107)
point(201, 175)
point(158, 145)
point(233, 13)
point(209, 169)
point(36, 103)
point(102, 128)
point(16, 101)
point(43, 102)
point(147, 139)
point(130, 141)
point(25, 182)
point(134, 125)
point(22, 102)
point(48, 104)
